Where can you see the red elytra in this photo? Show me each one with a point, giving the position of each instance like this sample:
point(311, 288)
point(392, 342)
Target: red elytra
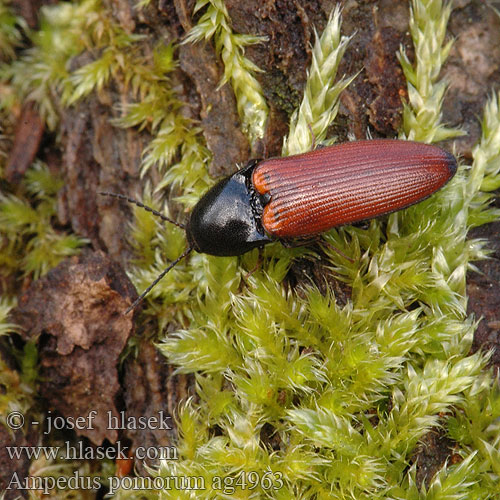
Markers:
point(315, 191)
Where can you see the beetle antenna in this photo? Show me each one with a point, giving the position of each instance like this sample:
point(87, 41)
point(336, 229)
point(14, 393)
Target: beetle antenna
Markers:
point(160, 276)
point(145, 207)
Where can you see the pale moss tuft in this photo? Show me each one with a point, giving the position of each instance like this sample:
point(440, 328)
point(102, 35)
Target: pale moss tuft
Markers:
point(321, 95)
point(187, 170)
point(94, 76)
point(156, 244)
point(422, 115)
point(206, 349)
point(485, 176)
point(176, 149)
point(18, 392)
point(6, 328)
point(449, 483)
point(42, 73)
point(31, 243)
point(238, 70)
point(141, 4)
point(11, 30)
point(18, 386)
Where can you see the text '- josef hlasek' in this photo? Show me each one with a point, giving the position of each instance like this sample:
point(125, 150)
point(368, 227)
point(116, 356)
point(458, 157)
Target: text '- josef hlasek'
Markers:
point(115, 421)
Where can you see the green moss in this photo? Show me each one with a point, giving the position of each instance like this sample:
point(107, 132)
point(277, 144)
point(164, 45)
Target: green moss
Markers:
point(11, 30)
point(176, 149)
point(31, 243)
point(422, 115)
point(42, 74)
point(238, 70)
point(321, 95)
point(315, 399)
point(18, 386)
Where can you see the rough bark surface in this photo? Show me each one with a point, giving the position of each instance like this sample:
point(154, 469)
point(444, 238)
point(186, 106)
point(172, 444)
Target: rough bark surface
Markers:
point(75, 314)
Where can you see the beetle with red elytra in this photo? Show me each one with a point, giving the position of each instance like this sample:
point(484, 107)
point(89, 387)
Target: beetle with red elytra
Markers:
point(298, 197)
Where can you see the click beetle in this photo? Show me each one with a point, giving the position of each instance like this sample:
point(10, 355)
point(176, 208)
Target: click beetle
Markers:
point(298, 197)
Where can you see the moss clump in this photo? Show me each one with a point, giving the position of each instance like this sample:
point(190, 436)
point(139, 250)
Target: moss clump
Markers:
point(31, 244)
point(238, 70)
point(321, 95)
point(300, 397)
